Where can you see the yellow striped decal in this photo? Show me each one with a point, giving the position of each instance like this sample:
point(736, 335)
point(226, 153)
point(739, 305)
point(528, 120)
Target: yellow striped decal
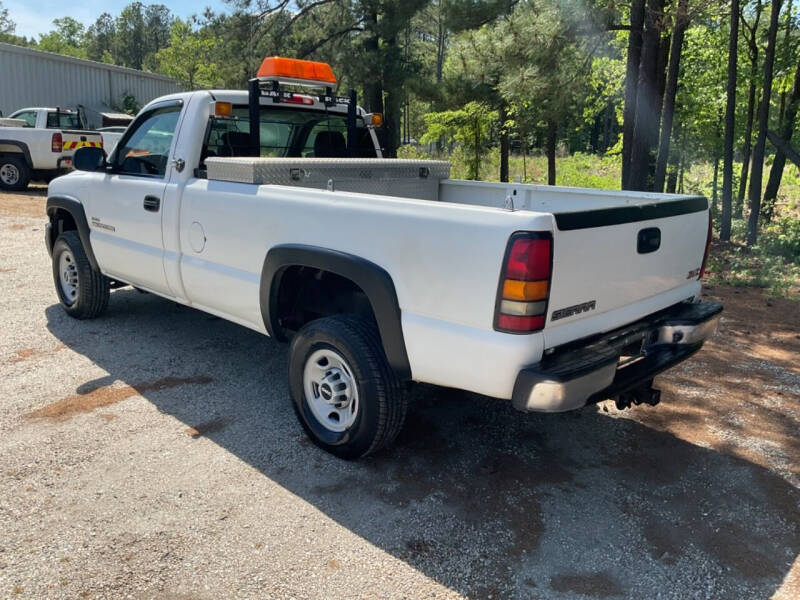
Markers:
point(75, 145)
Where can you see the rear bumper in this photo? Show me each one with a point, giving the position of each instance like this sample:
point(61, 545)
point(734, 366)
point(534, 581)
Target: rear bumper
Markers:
point(604, 366)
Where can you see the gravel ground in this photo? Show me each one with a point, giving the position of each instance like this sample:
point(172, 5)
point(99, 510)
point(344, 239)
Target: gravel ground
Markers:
point(152, 453)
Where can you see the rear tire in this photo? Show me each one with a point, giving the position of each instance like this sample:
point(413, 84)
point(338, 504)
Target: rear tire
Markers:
point(14, 173)
point(82, 290)
point(344, 393)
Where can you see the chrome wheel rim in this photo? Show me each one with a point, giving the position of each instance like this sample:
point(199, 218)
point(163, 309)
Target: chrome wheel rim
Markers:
point(9, 174)
point(330, 390)
point(68, 277)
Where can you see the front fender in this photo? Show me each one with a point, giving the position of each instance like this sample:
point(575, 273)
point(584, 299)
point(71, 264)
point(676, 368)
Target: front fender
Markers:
point(78, 214)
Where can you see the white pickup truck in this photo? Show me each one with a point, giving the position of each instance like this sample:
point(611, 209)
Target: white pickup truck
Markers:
point(381, 272)
point(38, 143)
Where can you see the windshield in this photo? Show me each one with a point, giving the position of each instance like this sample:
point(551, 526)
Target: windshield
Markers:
point(286, 132)
point(63, 120)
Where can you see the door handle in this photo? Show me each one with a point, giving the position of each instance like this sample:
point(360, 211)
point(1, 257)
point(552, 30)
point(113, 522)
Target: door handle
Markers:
point(152, 203)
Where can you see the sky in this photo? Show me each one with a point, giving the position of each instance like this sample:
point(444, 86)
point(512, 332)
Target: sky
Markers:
point(36, 16)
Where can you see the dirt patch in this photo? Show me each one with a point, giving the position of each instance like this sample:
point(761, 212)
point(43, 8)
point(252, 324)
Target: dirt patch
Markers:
point(17, 227)
point(24, 354)
point(107, 395)
point(202, 429)
point(596, 585)
point(30, 203)
point(741, 395)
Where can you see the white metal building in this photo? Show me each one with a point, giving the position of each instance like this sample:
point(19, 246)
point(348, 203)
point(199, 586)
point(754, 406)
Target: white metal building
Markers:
point(35, 78)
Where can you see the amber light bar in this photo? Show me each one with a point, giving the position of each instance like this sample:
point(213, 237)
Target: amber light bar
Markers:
point(276, 67)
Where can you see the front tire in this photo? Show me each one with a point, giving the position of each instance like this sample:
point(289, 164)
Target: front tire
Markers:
point(14, 173)
point(344, 393)
point(82, 291)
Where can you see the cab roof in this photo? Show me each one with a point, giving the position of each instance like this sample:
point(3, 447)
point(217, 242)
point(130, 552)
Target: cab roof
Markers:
point(240, 97)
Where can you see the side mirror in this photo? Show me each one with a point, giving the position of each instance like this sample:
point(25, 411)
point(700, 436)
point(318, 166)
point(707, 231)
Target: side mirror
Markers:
point(89, 158)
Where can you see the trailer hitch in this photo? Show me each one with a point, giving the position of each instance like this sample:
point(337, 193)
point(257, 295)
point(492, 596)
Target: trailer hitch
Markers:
point(643, 394)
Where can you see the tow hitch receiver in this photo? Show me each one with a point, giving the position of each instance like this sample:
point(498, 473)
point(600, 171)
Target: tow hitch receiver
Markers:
point(644, 394)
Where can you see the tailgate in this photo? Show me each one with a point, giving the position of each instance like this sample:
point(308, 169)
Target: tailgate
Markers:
point(73, 139)
point(607, 259)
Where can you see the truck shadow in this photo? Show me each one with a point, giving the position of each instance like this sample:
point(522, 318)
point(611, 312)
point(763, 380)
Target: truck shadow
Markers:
point(478, 497)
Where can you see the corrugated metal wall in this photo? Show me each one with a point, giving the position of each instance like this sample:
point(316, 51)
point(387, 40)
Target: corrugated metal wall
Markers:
point(33, 78)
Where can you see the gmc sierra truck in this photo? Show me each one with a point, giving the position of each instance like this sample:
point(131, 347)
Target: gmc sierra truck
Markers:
point(379, 271)
point(38, 144)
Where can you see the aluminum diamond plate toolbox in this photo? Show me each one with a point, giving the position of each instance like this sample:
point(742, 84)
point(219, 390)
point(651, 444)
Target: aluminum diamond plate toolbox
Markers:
point(381, 176)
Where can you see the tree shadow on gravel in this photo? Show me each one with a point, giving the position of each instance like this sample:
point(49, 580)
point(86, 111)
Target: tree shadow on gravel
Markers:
point(480, 498)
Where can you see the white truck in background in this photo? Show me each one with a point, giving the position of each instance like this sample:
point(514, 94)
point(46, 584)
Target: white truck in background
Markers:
point(38, 144)
point(380, 271)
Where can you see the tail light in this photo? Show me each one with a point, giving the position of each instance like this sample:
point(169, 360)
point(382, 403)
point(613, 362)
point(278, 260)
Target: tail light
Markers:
point(525, 283)
point(56, 143)
point(708, 247)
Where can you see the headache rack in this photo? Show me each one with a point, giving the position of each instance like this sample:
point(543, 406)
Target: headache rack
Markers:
point(270, 87)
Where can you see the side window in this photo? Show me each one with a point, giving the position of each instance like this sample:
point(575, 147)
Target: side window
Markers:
point(63, 120)
point(145, 149)
point(28, 116)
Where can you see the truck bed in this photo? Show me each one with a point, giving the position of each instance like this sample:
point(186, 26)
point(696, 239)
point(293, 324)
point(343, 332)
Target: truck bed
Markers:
point(423, 180)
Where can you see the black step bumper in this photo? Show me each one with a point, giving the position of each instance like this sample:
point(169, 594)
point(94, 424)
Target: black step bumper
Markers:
point(604, 366)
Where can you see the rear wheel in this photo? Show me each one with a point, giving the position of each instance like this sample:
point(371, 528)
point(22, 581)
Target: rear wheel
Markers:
point(14, 173)
point(82, 290)
point(345, 395)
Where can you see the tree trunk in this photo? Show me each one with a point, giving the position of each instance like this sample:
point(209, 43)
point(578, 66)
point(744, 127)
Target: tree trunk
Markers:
point(503, 143)
point(752, 44)
point(477, 167)
point(674, 160)
point(441, 43)
point(645, 129)
point(738, 207)
point(754, 191)
point(673, 70)
point(661, 70)
point(552, 131)
point(788, 47)
point(373, 90)
point(730, 125)
point(608, 120)
point(787, 128)
point(682, 161)
point(631, 83)
point(715, 187)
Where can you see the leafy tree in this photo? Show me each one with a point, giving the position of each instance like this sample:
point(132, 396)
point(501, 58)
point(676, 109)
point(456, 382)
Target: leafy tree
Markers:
point(188, 57)
point(7, 26)
point(66, 38)
point(468, 126)
point(139, 32)
point(99, 39)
